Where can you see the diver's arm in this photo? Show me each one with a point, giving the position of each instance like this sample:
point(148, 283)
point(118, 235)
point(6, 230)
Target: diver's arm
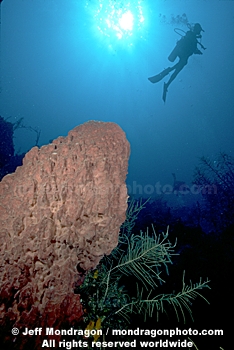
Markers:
point(198, 52)
point(203, 47)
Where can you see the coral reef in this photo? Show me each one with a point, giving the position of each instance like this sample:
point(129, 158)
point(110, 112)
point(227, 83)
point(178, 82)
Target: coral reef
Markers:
point(59, 214)
point(214, 179)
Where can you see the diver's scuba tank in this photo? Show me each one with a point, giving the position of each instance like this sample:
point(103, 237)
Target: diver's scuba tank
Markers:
point(175, 52)
point(173, 55)
point(196, 28)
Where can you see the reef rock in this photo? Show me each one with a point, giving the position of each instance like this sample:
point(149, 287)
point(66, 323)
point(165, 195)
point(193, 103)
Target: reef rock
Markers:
point(60, 212)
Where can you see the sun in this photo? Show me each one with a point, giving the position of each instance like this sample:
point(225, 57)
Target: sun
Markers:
point(116, 19)
point(126, 21)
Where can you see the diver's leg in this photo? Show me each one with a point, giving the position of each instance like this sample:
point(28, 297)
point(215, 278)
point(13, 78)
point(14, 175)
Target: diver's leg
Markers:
point(178, 68)
point(160, 76)
point(156, 78)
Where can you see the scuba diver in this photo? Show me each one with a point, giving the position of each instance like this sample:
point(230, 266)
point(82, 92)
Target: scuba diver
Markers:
point(185, 47)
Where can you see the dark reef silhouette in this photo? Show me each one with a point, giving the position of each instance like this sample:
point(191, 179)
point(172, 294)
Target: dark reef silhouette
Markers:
point(8, 159)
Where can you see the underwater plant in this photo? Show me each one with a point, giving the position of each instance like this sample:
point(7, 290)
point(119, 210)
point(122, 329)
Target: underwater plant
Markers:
point(107, 299)
point(133, 210)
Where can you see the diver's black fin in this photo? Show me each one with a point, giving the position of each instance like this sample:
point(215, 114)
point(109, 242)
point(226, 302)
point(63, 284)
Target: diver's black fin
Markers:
point(160, 76)
point(164, 92)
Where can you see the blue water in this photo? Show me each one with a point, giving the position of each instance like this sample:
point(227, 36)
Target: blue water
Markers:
point(58, 70)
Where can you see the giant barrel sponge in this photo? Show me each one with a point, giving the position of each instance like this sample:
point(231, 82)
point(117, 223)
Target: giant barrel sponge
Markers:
point(60, 212)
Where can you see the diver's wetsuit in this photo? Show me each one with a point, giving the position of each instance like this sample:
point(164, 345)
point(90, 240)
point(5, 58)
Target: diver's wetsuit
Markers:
point(185, 47)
